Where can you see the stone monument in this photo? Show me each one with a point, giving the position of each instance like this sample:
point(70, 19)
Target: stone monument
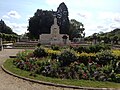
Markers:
point(54, 38)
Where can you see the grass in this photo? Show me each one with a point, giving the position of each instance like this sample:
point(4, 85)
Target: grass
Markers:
point(83, 83)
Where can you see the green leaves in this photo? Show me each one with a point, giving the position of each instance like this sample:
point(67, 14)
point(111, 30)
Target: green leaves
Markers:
point(105, 57)
point(76, 29)
point(40, 23)
point(39, 52)
point(67, 57)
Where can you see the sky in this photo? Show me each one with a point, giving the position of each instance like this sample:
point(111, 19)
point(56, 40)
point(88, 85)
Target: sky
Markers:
point(96, 15)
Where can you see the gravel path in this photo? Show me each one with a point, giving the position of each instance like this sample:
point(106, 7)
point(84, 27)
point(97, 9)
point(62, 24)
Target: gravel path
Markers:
point(8, 82)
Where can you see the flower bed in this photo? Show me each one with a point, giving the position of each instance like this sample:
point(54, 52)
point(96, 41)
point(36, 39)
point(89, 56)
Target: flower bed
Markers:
point(70, 64)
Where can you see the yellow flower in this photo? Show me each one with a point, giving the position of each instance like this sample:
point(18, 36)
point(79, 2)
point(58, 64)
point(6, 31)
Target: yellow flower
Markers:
point(85, 54)
point(50, 51)
point(116, 52)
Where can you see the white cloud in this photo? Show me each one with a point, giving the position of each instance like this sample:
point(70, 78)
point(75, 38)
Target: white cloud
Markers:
point(85, 14)
point(5, 17)
point(110, 20)
point(114, 25)
point(109, 15)
point(90, 29)
point(14, 14)
point(17, 27)
point(117, 18)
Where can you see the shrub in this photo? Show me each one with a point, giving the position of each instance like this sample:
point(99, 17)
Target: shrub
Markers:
point(91, 48)
point(69, 64)
point(39, 52)
point(117, 68)
point(85, 57)
point(53, 53)
point(67, 57)
point(55, 47)
point(24, 54)
point(26, 64)
point(105, 57)
point(117, 78)
point(107, 69)
point(81, 49)
point(39, 44)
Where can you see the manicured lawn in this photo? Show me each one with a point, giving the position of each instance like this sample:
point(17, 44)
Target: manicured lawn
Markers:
point(83, 83)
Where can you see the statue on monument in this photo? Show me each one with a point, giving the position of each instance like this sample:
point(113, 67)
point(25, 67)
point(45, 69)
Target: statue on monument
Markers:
point(54, 37)
point(55, 28)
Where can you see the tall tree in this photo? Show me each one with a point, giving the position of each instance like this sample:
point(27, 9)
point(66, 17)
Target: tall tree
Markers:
point(42, 20)
point(63, 19)
point(5, 29)
point(115, 39)
point(76, 29)
point(40, 23)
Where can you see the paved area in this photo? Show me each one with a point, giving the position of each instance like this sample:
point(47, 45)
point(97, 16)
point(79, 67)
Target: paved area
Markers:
point(8, 82)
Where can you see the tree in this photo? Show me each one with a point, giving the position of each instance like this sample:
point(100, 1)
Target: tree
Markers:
point(42, 20)
point(115, 39)
point(76, 29)
point(5, 29)
point(40, 23)
point(63, 20)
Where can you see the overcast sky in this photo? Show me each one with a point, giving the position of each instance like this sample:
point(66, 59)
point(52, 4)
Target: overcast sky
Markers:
point(96, 15)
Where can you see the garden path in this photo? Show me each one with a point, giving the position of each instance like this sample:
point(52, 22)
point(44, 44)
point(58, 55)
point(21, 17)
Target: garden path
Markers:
point(8, 82)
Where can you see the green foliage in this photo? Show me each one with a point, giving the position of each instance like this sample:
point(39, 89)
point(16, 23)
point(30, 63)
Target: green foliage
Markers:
point(82, 83)
point(113, 36)
point(25, 61)
point(39, 44)
point(5, 29)
point(105, 57)
point(76, 29)
point(107, 69)
point(39, 52)
point(42, 21)
point(117, 78)
point(8, 37)
point(55, 47)
point(63, 19)
point(117, 67)
point(69, 64)
point(92, 48)
point(67, 57)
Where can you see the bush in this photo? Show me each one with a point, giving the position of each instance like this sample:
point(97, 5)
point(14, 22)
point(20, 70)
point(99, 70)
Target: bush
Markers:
point(39, 52)
point(67, 57)
point(105, 57)
point(107, 69)
point(92, 48)
point(117, 67)
point(86, 58)
point(69, 64)
point(27, 64)
point(117, 78)
point(39, 44)
point(55, 47)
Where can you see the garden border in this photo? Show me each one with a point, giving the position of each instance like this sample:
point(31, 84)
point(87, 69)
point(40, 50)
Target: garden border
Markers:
point(53, 84)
